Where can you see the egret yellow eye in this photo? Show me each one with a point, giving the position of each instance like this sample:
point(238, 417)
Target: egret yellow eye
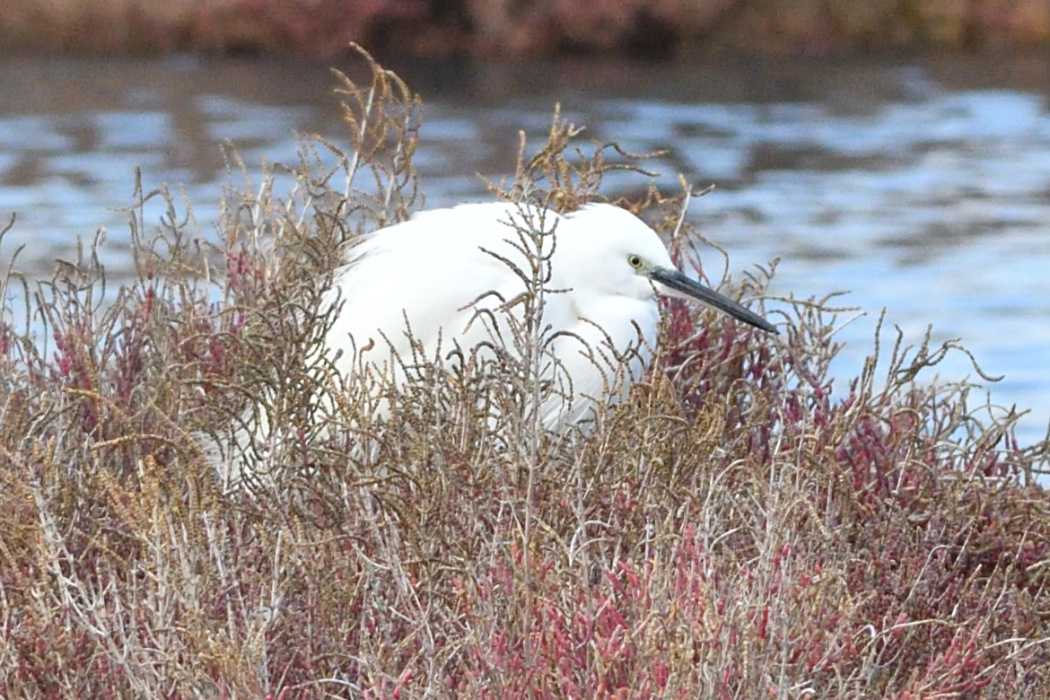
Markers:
point(635, 261)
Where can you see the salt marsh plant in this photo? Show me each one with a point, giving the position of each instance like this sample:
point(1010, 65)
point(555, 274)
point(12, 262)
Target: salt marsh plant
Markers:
point(738, 528)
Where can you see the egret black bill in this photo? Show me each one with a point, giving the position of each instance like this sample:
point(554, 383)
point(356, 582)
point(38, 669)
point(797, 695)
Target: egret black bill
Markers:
point(675, 280)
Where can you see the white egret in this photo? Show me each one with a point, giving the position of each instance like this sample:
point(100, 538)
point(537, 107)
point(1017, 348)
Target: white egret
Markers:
point(454, 278)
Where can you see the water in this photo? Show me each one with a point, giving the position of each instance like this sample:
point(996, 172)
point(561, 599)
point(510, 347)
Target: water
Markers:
point(922, 187)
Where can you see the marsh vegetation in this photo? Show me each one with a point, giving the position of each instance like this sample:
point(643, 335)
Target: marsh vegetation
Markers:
point(736, 528)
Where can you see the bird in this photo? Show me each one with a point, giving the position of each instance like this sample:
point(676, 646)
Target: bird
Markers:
point(449, 281)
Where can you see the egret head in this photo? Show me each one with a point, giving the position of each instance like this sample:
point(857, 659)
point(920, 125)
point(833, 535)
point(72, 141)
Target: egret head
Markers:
point(635, 263)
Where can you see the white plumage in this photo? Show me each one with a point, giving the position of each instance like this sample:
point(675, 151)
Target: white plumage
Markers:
point(443, 270)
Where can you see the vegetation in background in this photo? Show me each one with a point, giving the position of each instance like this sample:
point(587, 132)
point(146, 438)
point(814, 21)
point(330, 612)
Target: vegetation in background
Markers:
point(649, 28)
point(736, 530)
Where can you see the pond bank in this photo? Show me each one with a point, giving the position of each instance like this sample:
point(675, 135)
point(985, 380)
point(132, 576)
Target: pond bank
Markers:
point(638, 28)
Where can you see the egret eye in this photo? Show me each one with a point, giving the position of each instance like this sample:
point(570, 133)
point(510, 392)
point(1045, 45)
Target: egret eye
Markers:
point(635, 261)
